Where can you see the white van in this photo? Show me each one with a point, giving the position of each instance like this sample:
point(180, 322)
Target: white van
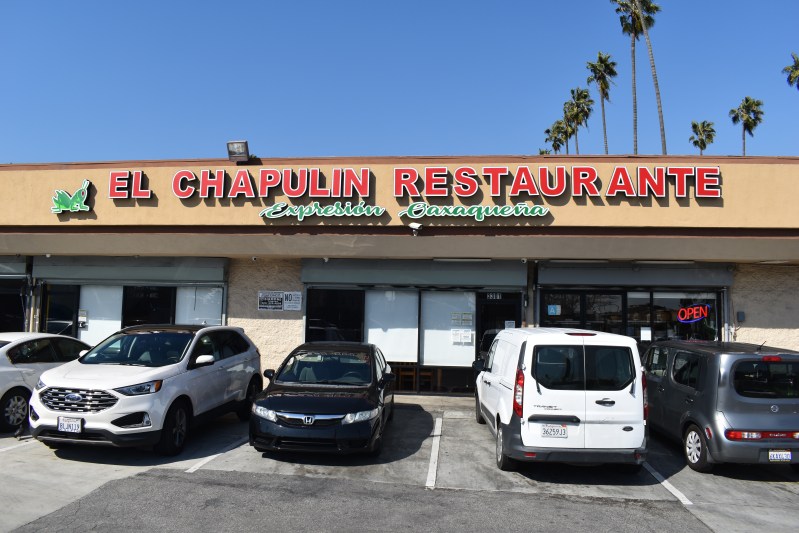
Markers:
point(563, 395)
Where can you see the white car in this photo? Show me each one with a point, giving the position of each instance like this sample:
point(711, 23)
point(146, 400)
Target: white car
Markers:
point(563, 395)
point(23, 358)
point(146, 385)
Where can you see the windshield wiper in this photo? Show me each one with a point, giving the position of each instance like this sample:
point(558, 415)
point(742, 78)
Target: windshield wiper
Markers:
point(130, 363)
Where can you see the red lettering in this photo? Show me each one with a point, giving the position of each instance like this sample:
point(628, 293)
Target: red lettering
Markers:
point(707, 182)
point(315, 189)
point(648, 183)
point(466, 183)
point(584, 178)
point(524, 182)
point(495, 178)
point(207, 182)
point(242, 185)
point(267, 179)
point(435, 181)
point(354, 182)
point(547, 188)
point(680, 179)
point(621, 182)
point(177, 184)
point(405, 179)
point(302, 183)
point(118, 184)
point(138, 190)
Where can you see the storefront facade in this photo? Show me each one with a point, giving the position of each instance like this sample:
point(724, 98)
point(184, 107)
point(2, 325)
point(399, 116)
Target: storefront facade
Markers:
point(426, 257)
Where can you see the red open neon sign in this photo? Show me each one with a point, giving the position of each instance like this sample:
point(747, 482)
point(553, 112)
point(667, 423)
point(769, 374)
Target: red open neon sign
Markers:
point(693, 313)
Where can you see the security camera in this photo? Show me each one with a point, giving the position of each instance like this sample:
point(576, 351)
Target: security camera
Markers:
point(255, 258)
point(524, 259)
point(415, 226)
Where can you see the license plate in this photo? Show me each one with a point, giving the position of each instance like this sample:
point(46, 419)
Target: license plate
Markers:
point(553, 431)
point(779, 456)
point(69, 425)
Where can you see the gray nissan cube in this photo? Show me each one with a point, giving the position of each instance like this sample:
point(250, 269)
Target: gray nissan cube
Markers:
point(726, 402)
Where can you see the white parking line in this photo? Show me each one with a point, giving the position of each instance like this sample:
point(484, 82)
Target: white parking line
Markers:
point(210, 458)
point(431, 471)
point(20, 445)
point(668, 486)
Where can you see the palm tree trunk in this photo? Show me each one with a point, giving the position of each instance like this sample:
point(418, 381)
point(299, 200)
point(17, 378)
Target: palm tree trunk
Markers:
point(743, 138)
point(604, 127)
point(576, 141)
point(635, 99)
point(567, 146)
point(655, 81)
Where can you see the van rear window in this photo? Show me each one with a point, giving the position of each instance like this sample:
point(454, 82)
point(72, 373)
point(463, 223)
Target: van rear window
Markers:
point(761, 379)
point(577, 368)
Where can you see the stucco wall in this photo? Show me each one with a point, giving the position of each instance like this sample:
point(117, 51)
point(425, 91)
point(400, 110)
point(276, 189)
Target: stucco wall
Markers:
point(769, 296)
point(275, 333)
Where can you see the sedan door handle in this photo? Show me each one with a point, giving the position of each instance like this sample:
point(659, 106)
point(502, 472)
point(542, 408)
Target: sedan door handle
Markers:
point(689, 400)
point(487, 382)
point(660, 388)
point(606, 401)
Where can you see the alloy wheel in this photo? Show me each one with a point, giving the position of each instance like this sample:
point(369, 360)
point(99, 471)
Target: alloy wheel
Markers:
point(15, 410)
point(693, 447)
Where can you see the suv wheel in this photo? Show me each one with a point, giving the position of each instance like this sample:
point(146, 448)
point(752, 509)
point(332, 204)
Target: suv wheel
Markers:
point(245, 409)
point(695, 448)
point(176, 427)
point(503, 461)
point(13, 409)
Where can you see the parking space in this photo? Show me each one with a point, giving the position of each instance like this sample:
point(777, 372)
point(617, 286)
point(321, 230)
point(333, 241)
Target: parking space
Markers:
point(433, 442)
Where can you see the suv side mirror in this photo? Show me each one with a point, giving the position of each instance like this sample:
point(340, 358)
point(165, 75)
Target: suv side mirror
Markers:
point(269, 374)
point(479, 366)
point(203, 360)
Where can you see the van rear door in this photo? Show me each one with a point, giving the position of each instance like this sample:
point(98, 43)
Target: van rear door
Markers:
point(614, 407)
point(554, 397)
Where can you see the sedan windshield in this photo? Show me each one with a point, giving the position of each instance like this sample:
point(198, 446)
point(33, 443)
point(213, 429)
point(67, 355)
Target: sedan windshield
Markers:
point(327, 368)
point(140, 349)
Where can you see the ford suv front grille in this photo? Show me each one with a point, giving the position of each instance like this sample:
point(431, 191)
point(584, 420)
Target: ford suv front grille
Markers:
point(77, 400)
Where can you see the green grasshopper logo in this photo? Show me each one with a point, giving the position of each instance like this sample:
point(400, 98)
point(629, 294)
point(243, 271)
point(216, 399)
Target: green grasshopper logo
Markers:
point(63, 201)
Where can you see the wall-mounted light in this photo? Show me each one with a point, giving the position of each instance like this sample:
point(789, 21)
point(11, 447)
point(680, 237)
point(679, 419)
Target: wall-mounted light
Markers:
point(238, 151)
point(415, 228)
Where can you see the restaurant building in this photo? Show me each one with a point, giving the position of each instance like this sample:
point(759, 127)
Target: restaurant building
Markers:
point(427, 257)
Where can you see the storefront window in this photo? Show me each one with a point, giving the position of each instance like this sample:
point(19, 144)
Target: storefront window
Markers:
point(604, 313)
point(561, 309)
point(148, 305)
point(685, 316)
point(60, 309)
point(335, 315)
point(392, 323)
point(12, 306)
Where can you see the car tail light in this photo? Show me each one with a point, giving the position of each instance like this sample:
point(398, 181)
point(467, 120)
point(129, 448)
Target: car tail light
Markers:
point(646, 397)
point(735, 434)
point(771, 359)
point(518, 393)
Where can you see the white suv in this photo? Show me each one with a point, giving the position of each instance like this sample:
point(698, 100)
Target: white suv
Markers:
point(146, 385)
point(563, 395)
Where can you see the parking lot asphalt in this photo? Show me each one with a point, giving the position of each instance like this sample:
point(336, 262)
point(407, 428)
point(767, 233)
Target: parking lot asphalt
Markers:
point(433, 450)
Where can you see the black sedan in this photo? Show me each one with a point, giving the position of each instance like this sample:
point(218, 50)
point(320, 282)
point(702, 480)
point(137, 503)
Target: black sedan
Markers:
point(326, 397)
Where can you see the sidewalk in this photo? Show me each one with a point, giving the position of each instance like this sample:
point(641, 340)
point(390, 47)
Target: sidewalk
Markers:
point(435, 402)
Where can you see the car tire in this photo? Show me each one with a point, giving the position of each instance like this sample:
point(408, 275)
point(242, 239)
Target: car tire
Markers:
point(377, 447)
point(175, 430)
point(245, 408)
point(695, 448)
point(391, 413)
point(478, 415)
point(13, 409)
point(504, 462)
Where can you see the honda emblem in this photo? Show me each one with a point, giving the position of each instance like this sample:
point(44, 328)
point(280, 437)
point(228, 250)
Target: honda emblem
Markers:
point(309, 420)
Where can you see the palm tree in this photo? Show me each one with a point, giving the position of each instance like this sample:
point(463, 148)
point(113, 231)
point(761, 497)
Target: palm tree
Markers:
point(634, 25)
point(576, 112)
point(793, 71)
point(704, 133)
point(544, 151)
point(556, 136)
point(602, 74)
point(749, 114)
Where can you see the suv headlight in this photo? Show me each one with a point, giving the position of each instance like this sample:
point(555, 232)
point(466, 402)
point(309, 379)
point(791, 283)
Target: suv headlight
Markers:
point(142, 388)
point(40, 384)
point(360, 416)
point(263, 412)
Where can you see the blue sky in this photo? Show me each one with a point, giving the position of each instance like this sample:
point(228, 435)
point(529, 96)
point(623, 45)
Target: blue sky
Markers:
point(154, 79)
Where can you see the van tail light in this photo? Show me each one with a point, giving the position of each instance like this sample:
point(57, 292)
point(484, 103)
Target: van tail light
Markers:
point(737, 434)
point(646, 398)
point(518, 393)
